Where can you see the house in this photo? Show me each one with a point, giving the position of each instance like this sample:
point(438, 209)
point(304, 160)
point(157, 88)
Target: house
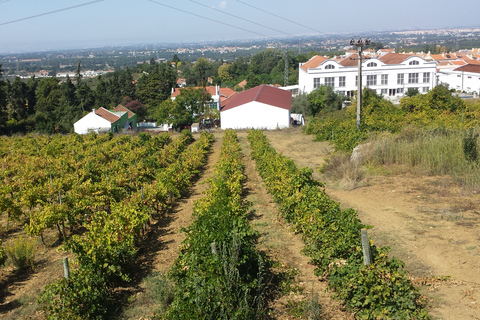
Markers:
point(465, 78)
point(131, 123)
point(262, 107)
point(390, 74)
point(101, 121)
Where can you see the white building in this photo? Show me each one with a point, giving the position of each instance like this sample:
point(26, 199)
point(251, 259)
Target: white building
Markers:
point(100, 121)
point(464, 79)
point(390, 75)
point(262, 107)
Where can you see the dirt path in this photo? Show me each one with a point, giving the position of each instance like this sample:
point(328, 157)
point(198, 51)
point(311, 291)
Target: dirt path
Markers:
point(283, 246)
point(170, 235)
point(430, 224)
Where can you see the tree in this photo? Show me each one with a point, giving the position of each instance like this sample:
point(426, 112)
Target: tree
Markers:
point(155, 87)
point(412, 92)
point(224, 74)
point(48, 99)
point(253, 80)
point(300, 104)
point(138, 108)
point(3, 100)
point(18, 97)
point(185, 109)
point(101, 93)
point(324, 98)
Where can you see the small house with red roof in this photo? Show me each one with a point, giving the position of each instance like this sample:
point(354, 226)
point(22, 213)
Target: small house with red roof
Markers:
point(262, 107)
point(102, 120)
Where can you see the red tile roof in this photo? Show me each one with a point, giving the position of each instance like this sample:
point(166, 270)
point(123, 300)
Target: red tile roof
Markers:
point(313, 62)
point(242, 83)
point(107, 115)
point(224, 92)
point(394, 58)
point(350, 61)
point(265, 94)
point(469, 68)
point(121, 108)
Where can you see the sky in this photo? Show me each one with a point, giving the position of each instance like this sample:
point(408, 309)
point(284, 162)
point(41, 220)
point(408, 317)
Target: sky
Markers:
point(33, 25)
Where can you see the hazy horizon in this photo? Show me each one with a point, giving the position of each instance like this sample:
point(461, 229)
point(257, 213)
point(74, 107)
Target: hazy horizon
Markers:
point(30, 26)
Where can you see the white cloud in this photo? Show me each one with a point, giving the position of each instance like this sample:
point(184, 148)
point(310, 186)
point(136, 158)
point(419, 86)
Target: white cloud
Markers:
point(223, 4)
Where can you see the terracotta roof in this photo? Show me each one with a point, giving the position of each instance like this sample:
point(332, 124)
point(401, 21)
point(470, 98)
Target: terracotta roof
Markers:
point(242, 84)
point(105, 114)
point(225, 101)
point(265, 94)
point(313, 62)
point(469, 68)
point(350, 61)
point(394, 58)
point(120, 108)
point(224, 92)
point(458, 62)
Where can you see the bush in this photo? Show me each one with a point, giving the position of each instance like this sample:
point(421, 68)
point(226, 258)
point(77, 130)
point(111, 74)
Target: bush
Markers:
point(3, 255)
point(21, 252)
point(470, 146)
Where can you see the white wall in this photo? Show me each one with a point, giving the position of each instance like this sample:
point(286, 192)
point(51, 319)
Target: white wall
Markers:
point(255, 115)
point(460, 81)
point(91, 122)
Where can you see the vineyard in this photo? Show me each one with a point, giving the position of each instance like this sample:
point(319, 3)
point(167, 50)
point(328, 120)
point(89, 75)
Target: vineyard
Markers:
point(101, 195)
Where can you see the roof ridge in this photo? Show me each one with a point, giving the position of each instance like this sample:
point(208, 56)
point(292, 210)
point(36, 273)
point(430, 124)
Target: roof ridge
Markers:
point(258, 93)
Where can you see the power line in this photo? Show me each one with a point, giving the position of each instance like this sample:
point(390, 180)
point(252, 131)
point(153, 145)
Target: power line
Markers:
point(232, 15)
point(3, 1)
point(197, 15)
point(50, 12)
point(278, 16)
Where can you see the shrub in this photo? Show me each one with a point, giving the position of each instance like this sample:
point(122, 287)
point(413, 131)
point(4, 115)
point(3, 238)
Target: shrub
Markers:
point(21, 252)
point(470, 145)
point(3, 255)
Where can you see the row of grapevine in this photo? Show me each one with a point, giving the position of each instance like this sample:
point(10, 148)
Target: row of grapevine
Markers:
point(332, 239)
point(59, 181)
point(112, 186)
point(219, 274)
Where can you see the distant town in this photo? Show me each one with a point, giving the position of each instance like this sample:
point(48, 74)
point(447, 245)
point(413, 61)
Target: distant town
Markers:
point(98, 61)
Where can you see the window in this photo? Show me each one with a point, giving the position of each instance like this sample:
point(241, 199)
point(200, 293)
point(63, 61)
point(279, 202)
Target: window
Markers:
point(426, 77)
point(330, 66)
point(425, 89)
point(341, 81)
point(414, 63)
point(400, 78)
point(371, 80)
point(384, 78)
point(372, 64)
point(356, 81)
point(342, 93)
point(316, 82)
point(384, 91)
point(413, 78)
point(399, 90)
point(330, 81)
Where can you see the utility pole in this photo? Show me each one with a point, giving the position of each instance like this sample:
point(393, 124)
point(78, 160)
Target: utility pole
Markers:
point(359, 44)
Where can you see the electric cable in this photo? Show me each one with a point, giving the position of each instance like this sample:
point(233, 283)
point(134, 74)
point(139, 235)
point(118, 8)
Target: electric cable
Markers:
point(50, 12)
point(200, 16)
point(294, 22)
point(232, 15)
